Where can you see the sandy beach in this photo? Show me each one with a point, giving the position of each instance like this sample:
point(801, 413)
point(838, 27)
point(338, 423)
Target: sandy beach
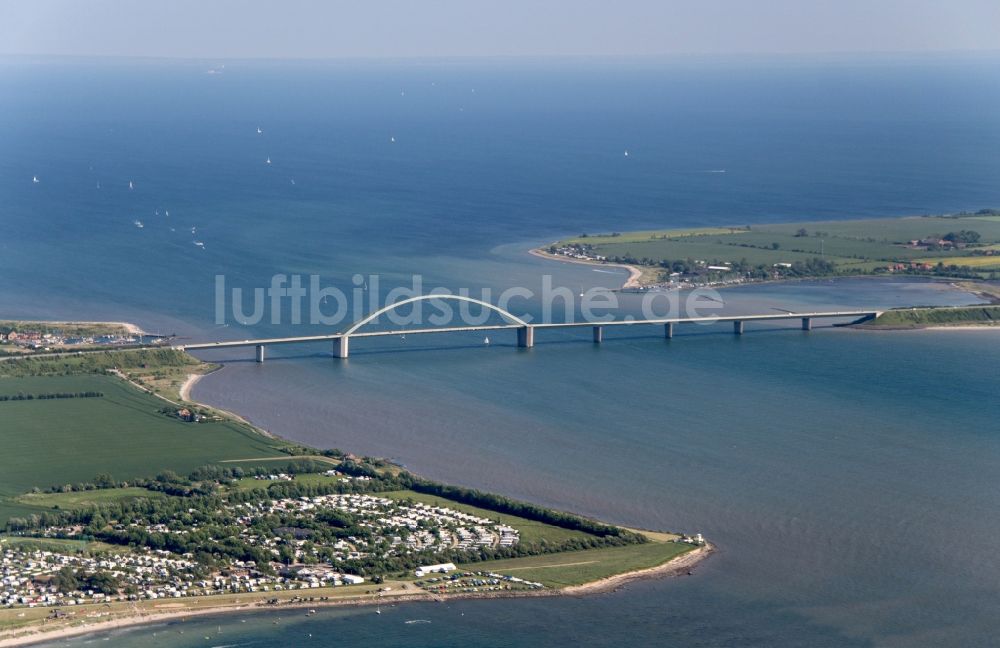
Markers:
point(677, 567)
point(634, 273)
point(185, 390)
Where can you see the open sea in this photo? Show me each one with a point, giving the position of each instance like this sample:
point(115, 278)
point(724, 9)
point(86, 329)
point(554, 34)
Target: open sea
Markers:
point(848, 478)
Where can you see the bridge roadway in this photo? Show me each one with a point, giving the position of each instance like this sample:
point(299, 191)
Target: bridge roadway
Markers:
point(525, 331)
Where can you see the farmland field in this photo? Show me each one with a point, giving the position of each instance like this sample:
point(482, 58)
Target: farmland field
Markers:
point(984, 262)
point(83, 499)
point(122, 433)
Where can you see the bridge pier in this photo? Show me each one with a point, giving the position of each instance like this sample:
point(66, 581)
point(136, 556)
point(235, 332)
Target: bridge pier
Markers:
point(526, 337)
point(341, 347)
point(738, 327)
point(260, 353)
point(598, 334)
point(668, 330)
point(807, 323)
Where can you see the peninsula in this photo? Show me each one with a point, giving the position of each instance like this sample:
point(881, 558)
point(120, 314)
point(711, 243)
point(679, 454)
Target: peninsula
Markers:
point(122, 502)
point(955, 246)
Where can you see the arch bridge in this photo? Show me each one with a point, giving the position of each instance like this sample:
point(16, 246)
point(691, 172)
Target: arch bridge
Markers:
point(525, 331)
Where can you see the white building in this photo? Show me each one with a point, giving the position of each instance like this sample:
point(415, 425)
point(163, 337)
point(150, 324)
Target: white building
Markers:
point(443, 568)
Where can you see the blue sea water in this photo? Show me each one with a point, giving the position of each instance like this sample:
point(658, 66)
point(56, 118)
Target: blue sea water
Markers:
point(847, 477)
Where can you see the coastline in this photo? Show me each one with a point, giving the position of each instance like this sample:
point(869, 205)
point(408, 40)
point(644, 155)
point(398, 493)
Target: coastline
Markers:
point(184, 394)
point(981, 289)
point(132, 329)
point(94, 618)
point(678, 566)
point(634, 272)
point(189, 383)
point(963, 327)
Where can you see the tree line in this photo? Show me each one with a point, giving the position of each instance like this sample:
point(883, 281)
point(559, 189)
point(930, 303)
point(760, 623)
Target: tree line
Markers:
point(27, 397)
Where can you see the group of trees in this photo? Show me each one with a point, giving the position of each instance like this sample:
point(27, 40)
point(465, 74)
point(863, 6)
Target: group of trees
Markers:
point(502, 504)
point(968, 237)
point(68, 580)
point(27, 397)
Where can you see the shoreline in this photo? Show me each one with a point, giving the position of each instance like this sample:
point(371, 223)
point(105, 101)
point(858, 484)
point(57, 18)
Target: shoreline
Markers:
point(185, 389)
point(634, 272)
point(184, 393)
point(130, 328)
point(34, 632)
point(971, 286)
point(678, 566)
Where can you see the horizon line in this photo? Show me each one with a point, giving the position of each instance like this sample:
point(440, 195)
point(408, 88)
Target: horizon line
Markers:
point(613, 57)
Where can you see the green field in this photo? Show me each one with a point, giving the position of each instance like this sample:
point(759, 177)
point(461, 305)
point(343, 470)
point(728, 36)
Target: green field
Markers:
point(146, 362)
point(530, 530)
point(249, 483)
point(921, 317)
point(577, 567)
point(853, 246)
point(83, 499)
point(53, 442)
point(633, 237)
point(56, 544)
point(978, 262)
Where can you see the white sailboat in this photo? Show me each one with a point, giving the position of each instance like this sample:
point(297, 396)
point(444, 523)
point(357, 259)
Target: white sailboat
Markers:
point(35, 180)
point(259, 131)
point(268, 159)
point(130, 185)
point(486, 340)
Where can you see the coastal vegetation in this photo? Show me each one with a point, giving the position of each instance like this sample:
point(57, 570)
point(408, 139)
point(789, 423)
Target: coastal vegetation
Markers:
point(65, 329)
point(112, 500)
point(904, 318)
point(572, 568)
point(965, 245)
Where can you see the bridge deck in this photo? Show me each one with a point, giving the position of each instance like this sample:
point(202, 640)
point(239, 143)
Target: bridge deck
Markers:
point(229, 344)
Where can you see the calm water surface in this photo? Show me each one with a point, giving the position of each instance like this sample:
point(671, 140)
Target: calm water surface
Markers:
point(847, 477)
